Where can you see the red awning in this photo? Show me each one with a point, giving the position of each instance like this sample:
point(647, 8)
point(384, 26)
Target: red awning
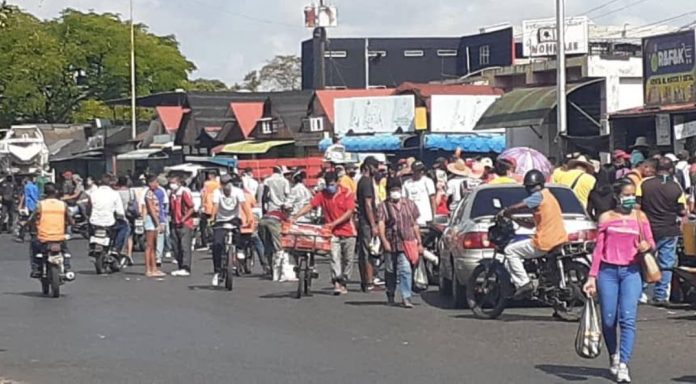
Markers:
point(247, 114)
point(171, 117)
point(326, 97)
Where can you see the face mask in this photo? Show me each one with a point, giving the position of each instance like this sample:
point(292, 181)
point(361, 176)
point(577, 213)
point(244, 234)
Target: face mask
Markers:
point(395, 195)
point(331, 189)
point(628, 202)
point(173, 186)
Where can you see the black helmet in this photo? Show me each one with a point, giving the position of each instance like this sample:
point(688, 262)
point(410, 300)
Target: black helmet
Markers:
point(534, 178)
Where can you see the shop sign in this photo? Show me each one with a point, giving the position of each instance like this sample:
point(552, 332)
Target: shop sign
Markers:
point(539, 36)
point(458, 113)
point(663, 129)
point(379, 114)
point(668, 68)
point(684, 130)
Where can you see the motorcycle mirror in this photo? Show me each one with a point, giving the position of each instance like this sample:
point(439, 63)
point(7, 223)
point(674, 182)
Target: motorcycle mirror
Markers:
point(497, 204)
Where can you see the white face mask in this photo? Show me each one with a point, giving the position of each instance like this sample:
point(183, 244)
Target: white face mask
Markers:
point(173, 186)
point(395, 195)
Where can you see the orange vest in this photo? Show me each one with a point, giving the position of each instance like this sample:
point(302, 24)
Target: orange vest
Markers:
point(550, 229)
point(209, 188)
point(51, 224)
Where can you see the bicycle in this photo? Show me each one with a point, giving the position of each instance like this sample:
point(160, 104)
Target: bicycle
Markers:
point(228, 263)
point(304, 241)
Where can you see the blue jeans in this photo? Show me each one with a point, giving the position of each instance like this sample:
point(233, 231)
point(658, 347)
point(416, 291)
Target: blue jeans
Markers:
point(397, 267)
point(122, 231)
point(619, 289)
point(666, 260)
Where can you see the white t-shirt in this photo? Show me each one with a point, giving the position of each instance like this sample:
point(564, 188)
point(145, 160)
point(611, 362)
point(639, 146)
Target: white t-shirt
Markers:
point(419, 192)
point(228, 207)
point(105, 204)
point(250, 184)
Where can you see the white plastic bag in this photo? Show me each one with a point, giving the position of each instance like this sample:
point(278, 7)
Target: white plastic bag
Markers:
point(588, 341)
point(420, 276)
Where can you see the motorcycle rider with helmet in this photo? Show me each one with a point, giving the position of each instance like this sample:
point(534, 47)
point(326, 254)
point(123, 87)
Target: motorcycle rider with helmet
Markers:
point(550, 230)
point(51, 218)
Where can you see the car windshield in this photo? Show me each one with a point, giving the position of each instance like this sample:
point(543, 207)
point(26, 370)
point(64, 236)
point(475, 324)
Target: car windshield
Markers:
point(483, 203)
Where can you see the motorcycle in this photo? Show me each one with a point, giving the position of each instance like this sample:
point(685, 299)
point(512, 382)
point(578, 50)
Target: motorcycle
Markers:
point(52, 269)
point(81, 223)
point(431, 247)
point(558, 276)
point(138, 233)
point(100, 251)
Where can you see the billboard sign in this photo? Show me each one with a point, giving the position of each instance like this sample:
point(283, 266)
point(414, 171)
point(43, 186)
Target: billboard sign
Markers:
point(669, 68)
point(368, 115)
point(539, 36)
point(458, 113)
point(320, 16)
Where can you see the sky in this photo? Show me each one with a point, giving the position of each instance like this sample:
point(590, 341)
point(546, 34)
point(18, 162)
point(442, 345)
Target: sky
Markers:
point(228, 38)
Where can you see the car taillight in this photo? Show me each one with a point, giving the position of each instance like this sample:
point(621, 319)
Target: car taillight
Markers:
point(476, 240)
point(586, 235)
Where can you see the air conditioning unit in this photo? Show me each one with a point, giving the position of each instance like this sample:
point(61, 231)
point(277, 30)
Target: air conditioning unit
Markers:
point(316, 124)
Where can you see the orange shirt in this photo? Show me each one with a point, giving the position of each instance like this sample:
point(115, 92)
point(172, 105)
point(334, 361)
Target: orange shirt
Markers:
point(550, 229)
point(209, 187)
point(250, 201)
point(51, 224)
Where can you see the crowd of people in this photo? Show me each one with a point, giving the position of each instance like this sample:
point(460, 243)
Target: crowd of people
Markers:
point(636, 200)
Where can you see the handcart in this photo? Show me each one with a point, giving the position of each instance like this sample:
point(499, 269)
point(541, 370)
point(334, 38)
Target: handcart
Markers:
point(304, 242)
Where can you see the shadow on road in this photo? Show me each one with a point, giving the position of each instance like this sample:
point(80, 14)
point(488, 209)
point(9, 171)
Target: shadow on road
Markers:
point(433, 299)
point(382, 303)
point(27, 294)
point(574, 373)
point(205, 288)
point(685, 379)
point(512, 318)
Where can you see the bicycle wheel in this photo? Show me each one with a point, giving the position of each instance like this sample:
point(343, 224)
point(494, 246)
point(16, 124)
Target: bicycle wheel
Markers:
point(301, 275)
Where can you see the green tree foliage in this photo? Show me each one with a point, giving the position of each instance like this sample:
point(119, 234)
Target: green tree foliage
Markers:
point(205, 85)
point(53, 68)
point(282, 73)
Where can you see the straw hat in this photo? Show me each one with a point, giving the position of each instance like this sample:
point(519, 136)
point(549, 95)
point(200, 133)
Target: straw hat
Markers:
point(459, 168)
point(641, 141)
point(487, 162)
point(582, 161)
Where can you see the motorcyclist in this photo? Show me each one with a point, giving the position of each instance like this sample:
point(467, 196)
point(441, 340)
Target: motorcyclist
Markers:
point(106, 211)
point(51, 218)
point(550, 230)
point(27, 203)
point(8, 191)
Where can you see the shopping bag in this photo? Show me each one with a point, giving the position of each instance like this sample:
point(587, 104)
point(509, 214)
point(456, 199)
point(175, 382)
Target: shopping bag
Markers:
point(420, 276)
point(651, 271)
point(588, 341)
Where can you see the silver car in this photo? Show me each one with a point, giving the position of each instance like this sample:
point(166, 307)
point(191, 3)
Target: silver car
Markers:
point(465, 241)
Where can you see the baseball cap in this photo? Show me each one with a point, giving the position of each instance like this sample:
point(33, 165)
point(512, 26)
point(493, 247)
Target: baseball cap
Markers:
point(418, 166)
point(621, 154)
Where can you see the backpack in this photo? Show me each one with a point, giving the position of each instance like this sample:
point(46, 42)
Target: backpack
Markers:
point(133, 208)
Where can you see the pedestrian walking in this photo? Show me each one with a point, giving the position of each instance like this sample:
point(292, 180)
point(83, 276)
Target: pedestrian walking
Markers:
point(398, 224)
point(663, 201)
point(421, 190)
point(270, 226)
point(367, 223)
point(338, 205)
point(163, 238)
point(276, 190)
point(181, 204)
point(207, 206)
point(8, 192)
point(615, 274)
point(153, 226)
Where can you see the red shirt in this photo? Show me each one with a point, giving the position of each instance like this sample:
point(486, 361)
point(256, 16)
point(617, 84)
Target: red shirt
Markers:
point(180, 200)
point(335, 206)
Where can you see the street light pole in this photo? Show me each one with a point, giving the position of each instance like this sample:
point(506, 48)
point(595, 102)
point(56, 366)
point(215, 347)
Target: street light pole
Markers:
point(560, 68)
point(132, 73)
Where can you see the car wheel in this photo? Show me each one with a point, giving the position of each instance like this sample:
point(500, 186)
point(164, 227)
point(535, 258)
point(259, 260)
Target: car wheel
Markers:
point(445, 281)
point(458, 292)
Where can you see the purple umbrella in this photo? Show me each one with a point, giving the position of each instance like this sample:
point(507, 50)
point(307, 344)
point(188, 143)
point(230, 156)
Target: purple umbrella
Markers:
point(528, 159)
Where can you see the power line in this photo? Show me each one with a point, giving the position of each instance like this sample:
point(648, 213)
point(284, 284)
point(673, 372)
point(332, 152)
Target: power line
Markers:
point(656, 23)
point(629, 5)
point(599, 7)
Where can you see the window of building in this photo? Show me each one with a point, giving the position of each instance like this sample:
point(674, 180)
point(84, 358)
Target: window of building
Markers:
point(267, 126)
point(413, 53)
point(377, 54)
point(484, 55)
point(446, 52)
point(335, 54)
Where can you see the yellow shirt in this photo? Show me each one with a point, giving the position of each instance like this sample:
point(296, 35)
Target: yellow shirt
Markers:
point(557, 174)
point(584, 183)
point(348, 183)
point(382, 190)
point(503, 180)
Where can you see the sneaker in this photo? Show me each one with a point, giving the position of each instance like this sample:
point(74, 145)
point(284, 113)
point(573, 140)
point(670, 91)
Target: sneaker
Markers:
point(408, 303)
point(215, 281)
point(377, 281)
point(523, 291)
point(614, 364)
point(184, 273)
point(168, 255)
point(622, 376)
point(344, 290)
point(643, 298)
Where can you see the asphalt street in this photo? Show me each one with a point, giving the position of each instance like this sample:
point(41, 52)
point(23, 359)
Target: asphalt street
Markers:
point(125, 328)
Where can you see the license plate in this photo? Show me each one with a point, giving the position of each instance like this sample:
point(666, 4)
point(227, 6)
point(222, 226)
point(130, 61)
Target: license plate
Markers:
point(100, 240)
point(139, 223)
point(100, 233)
point(55, 259)
point(139, 230)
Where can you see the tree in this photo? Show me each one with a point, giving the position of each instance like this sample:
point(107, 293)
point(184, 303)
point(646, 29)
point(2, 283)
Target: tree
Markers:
point(282, 73)
point(250, 83)
point(50, 68)
point(205, 85)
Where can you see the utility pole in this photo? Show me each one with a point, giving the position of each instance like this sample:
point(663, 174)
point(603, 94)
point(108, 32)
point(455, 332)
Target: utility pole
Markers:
point(560, 69)
point(132, 73)
point(367, 63)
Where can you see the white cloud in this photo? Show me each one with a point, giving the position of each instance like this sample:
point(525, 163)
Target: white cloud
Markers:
point(226, 39)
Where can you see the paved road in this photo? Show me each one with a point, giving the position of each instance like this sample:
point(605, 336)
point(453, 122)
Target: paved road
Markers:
point(125, 328)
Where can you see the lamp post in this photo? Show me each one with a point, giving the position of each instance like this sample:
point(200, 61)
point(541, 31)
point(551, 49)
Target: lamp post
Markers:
point(132, 72)
point(561, 117)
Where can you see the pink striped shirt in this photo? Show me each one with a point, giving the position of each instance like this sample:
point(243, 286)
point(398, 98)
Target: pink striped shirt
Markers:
point(617, 241)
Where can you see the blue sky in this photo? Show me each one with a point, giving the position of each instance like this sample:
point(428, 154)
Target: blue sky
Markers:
point(228, 38)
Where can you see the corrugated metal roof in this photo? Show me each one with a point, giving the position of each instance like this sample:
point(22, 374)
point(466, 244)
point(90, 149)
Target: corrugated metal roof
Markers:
point(427, 90)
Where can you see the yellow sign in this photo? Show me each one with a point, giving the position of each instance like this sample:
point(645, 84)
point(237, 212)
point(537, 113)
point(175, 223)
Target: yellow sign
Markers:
point(421, 119)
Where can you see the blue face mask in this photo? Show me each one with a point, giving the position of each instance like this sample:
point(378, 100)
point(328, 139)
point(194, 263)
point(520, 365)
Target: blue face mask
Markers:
point(331, 189)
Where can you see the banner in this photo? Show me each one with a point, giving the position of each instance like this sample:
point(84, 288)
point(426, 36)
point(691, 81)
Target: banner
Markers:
point(369, 115)
point(458, 113)
point(663, 129)
point(668, 69)
point(539, 36)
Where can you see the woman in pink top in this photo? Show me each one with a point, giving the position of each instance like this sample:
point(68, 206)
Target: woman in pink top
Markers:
point(615, 274)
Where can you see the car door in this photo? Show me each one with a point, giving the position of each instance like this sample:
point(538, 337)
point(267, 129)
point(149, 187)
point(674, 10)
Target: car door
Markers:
point(451, 236)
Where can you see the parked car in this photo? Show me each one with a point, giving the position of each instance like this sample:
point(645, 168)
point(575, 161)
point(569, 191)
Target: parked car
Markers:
point(465, 241)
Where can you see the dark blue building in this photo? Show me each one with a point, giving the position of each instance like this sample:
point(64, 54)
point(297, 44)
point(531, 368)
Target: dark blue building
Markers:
point(393, 61)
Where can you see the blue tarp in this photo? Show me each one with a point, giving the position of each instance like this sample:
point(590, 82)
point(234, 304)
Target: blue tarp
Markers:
point(472, 143)
point(376, 143)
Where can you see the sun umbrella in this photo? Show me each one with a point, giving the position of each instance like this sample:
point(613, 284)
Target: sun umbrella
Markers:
point(528, 159)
